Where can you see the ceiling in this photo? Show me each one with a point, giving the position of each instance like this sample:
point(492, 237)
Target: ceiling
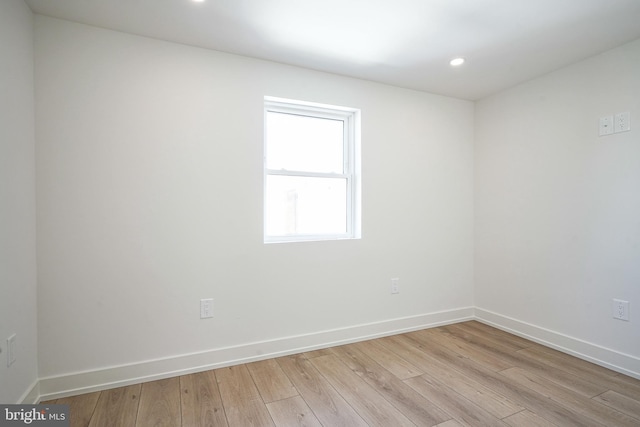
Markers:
point(406, 43)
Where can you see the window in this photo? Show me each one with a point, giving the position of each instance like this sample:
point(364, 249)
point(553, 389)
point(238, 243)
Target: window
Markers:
point(311, 183)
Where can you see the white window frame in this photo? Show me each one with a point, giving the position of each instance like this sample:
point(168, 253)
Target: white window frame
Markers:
point(351, 159)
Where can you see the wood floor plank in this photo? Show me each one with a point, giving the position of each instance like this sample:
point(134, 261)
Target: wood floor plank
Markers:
point(621, 403)
point(450, 423)
point(484, 397)
point(317, 353)
point(292, 412)
point(367, 402)
point(461, 409)
point(481, 374)
point(482, 328)
point(416, 407)
point(592, 409)
point(462, 329)
point(242, 403)
point(577, 383)
point(117, 407)
point(271, 381)
point(388, 359)
point(568, 363)
point(531, 364)
point(160, 404)
point(527, 419)
point(201, 402)
point(602, 376)
point(423, 356)
point(626, 385)
point(438, 337)
point(80, 408)
point(325, 402)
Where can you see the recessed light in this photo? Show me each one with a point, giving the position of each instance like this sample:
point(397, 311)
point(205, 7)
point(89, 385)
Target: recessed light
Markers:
point(198, 1)
point(456, 62)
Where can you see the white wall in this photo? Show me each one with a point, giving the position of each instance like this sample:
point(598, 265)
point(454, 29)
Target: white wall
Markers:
point(149, 159)
point(17, 203)
point(557, 226)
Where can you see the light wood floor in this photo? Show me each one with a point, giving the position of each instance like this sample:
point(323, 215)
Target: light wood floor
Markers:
point(467, 374)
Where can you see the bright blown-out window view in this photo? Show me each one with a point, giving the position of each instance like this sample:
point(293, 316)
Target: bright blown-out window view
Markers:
point(310, 166)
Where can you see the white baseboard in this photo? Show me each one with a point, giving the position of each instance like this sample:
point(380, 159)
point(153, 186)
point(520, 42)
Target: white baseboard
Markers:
point(611, 359)
point(31, 396)
point(118, 376)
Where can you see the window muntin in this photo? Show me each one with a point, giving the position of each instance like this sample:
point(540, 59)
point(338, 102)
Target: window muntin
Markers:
point(311, 184)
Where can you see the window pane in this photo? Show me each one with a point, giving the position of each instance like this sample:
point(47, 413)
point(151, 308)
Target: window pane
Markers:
point(305, 205)
point(302, 143)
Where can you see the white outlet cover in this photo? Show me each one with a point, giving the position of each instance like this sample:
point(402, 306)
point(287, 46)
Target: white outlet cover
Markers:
point(622, 122)
point(206, 308)
point(606, 125)
point(621, 309)
point(395, 286)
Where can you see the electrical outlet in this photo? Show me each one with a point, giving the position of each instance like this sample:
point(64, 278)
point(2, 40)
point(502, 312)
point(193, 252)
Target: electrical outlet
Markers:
point(621, 309)
point(622, 122)
point(11, 350)
point(395, 286)
point(206, 308)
